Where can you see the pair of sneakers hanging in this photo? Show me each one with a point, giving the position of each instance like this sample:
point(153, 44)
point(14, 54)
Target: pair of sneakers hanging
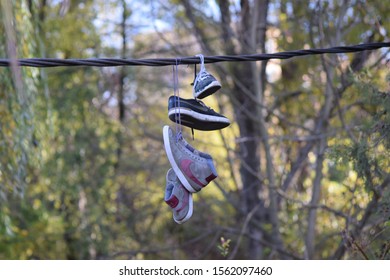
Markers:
point(194, 113)
point(191, 171)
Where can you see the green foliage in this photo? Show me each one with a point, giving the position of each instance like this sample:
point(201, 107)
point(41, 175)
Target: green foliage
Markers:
point(18, 88)
point(369, 155)
point(17, 93)
point(224, 247)
point(370, 152)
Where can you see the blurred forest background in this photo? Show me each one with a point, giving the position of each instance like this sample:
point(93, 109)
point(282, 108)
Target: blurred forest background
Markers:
point(303, 169)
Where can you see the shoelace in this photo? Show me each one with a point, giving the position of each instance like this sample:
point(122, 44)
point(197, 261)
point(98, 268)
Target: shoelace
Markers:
point(177, 98)
point(204, 105)
point(201, 57)
point(200, 76)
point(202, 72)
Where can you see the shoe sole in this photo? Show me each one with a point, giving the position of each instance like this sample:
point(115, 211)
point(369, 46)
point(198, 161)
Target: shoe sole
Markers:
point(210, 89)
point(173, 163)
point(197, 120)
point(190, 211)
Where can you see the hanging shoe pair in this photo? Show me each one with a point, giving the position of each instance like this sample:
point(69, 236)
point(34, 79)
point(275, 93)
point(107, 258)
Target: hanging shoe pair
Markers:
point(194, 113)
point(191, 171)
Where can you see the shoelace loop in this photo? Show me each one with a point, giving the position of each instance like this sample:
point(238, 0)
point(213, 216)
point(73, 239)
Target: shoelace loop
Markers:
point(201, 57)
point(202, 72)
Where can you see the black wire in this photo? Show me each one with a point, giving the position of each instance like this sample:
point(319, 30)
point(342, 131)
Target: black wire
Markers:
point(108, 62)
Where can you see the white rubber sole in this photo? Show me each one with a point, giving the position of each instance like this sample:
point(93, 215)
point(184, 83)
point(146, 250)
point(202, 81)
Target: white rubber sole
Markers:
point(190, 211)
point(173, 163)
point(201, 94)
point(198, 116)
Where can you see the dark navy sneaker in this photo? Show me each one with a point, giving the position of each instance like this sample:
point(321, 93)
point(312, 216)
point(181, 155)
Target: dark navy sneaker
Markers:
point(194, 114)
point(205, 84)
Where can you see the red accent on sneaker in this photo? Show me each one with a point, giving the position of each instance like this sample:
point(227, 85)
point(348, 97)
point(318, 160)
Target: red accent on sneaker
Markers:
point(173, 201)
point(185, 167)
point(210, 178)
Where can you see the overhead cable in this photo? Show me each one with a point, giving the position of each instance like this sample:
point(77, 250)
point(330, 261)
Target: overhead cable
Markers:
point(109, 62)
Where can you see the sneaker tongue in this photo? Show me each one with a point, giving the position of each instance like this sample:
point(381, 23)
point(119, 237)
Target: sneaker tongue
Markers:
point(171, 175)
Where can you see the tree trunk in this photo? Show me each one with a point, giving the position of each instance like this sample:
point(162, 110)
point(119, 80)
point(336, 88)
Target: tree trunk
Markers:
point(246, 96)
point(249, 88)
point(122, 76)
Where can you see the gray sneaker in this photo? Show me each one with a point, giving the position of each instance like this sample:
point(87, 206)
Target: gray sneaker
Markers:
point(178, 198)
point(194, 169)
